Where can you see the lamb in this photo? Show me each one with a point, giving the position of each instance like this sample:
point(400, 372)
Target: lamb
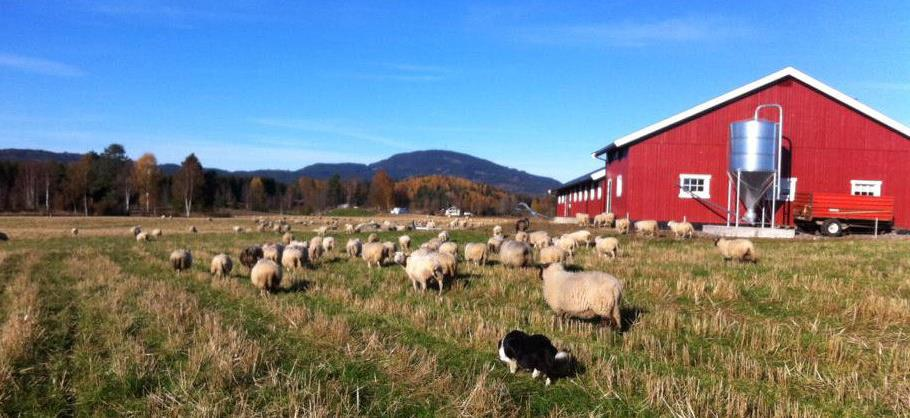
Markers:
point(192, 229)
point(497, 231)
point(74, 231)
point(604, 219)
point(353, 247)
point(622, 226)
point(584, 295)
point(404, 242)
point(515, 254)
point(539, 239)
point(328, 244)
point(266, 276)
point(237, 229)
point(293, 258)
point(443, 236)
point(476, 252)
point(250, 256)
point(740, 249)
point(494, 243)
point(583, 219)
point(349, 228)
point(136, 230)
point(647, 227)
point(522, 236)
point(552, 254)
point(155, 233)
point(449, 248)
point(535, 353)
point(373, 253)
point(581, 237)
point(142, 236)
point(287, 238)
point(181, 260)
point(681, 229)
point(372, 238)
point(314, 249)
point(272, 252)
point(423, 266)
point(606, 245)
point(221, 266)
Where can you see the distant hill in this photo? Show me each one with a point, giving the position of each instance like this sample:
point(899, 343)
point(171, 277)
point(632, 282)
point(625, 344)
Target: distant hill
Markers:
point(399, 166)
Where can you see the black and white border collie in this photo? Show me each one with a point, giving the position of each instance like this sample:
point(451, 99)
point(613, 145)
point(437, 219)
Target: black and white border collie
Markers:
point(535, 353)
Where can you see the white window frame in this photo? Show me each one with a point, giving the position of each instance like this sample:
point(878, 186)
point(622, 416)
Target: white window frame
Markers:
point(704, 194)
point(866, 188)
point(619, 185)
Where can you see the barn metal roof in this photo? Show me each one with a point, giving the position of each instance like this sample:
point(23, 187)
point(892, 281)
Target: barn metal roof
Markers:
point(749, 88)
point(592, 176)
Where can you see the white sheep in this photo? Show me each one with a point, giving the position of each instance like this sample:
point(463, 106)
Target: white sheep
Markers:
point(606, 245)
point(582, 237)
point(156, 233)
point(136, 230)
point(314, 249)
point(433, 244)
point(266, 276)
point(373, 253)
point(449, 248)
point(272, 251)
point(142, 236)
point(287, 238)
point(494, 243)
point(740, 249)
point(476, 252)
point(584, 295)
point(515, 254)
point(372, 238)
point(622, 226)
point(522, 236)
point(221, 266)
point(293, 258)
point(192, 229)
point(583, 219)
point(321, 230)
point(74, 231)
point(646, 227)
point(423, 266)
point(349, 228)
point(328, 244)
point(552, 254)
point(497, 231)
point(539, 239)
point(681, 229)
point(181, 260)
point(237, 229)
point(404, 242)
point(567, 244)
point(604, 219)
point(353, 247)
point(443, 236)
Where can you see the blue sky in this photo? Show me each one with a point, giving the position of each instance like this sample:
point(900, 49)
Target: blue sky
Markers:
point(532, 85)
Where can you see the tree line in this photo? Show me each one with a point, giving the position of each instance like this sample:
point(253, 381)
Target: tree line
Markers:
point(110, 183)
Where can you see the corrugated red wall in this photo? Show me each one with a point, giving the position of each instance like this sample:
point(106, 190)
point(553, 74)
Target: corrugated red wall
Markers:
point(829, 145)
point(589, 204)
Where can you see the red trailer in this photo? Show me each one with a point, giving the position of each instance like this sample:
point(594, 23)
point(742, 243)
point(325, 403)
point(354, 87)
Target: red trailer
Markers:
point(832, 213)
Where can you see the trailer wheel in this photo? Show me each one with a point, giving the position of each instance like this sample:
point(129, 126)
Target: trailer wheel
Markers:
point(832, 228)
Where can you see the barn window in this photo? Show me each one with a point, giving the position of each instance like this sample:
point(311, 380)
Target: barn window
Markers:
point(584, 195)
point(694, 185)
point(866, 187)
point(619, 186)
point(600, 190)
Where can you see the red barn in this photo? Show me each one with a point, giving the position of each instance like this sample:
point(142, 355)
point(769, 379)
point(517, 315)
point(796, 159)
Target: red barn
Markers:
point(584, 194)
point(678, 167)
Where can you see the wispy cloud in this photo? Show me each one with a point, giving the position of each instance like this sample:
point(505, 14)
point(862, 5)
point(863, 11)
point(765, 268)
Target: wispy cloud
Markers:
point(885, 85)
point(332, 128)
point(39, 66)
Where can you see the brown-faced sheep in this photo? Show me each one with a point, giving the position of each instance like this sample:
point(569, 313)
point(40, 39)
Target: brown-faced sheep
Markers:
point(266, 276)
point(522, 236)
point(584, 295)
point(552, 254)
point(622, 226)
point(136, 230)
point(74, 231)
point(647, 227)
point(476, 252)
point(181, 260)
point(221, 266)
point(515, 254)
point(606, 245)
point(372, 238)
point(156, 233)
point(192, 229)
point(497, 231)
point(681, 229)
point(522, 224)
point(740, 249)
point(353, 247)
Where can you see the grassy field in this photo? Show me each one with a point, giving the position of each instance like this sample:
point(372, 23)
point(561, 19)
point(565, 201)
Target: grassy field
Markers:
point(99, 325)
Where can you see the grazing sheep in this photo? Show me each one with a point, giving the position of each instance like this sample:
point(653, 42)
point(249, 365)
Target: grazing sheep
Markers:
point(552, 254)
point(399, 258)
point(423, 266)
point(237, 229)
point(515, 254)
point(449, 265)
point(604, 220)
point(314, 249)
point(181, 260)
point(250, 256)
point(449, 248)
point(192, 229)
point(584, 295)
point(582, 237)
point(476, 252)
point(328, 244)
point(622, 226)
point(647, 227)
point(681, 229)
point(522, 236)
point(606, 245)
point(372, 238)
point(443, 236)
point(221, 266)
point(583, 219)
point(272, 252)
point(494, 243)
point(401, 228)
point(266, 276)
point(74, 231)
point(136, 230)
point(497, 231)
point(353, 247)
point(142, 236)
point(373, 253)
point(404, 242)
point(156, 233)
point(433, 244)
point(293, 258)
point(287, 238)
point(740, 249)
point(539, 239)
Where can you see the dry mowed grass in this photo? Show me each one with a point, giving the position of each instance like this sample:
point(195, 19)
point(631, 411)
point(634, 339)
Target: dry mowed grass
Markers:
point(98, 324)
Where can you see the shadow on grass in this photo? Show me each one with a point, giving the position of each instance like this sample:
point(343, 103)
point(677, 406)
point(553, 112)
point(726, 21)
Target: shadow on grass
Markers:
point(630, 315)
point(298, 285)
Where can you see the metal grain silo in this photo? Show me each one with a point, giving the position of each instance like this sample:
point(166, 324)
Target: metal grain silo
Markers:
point(753, 160)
